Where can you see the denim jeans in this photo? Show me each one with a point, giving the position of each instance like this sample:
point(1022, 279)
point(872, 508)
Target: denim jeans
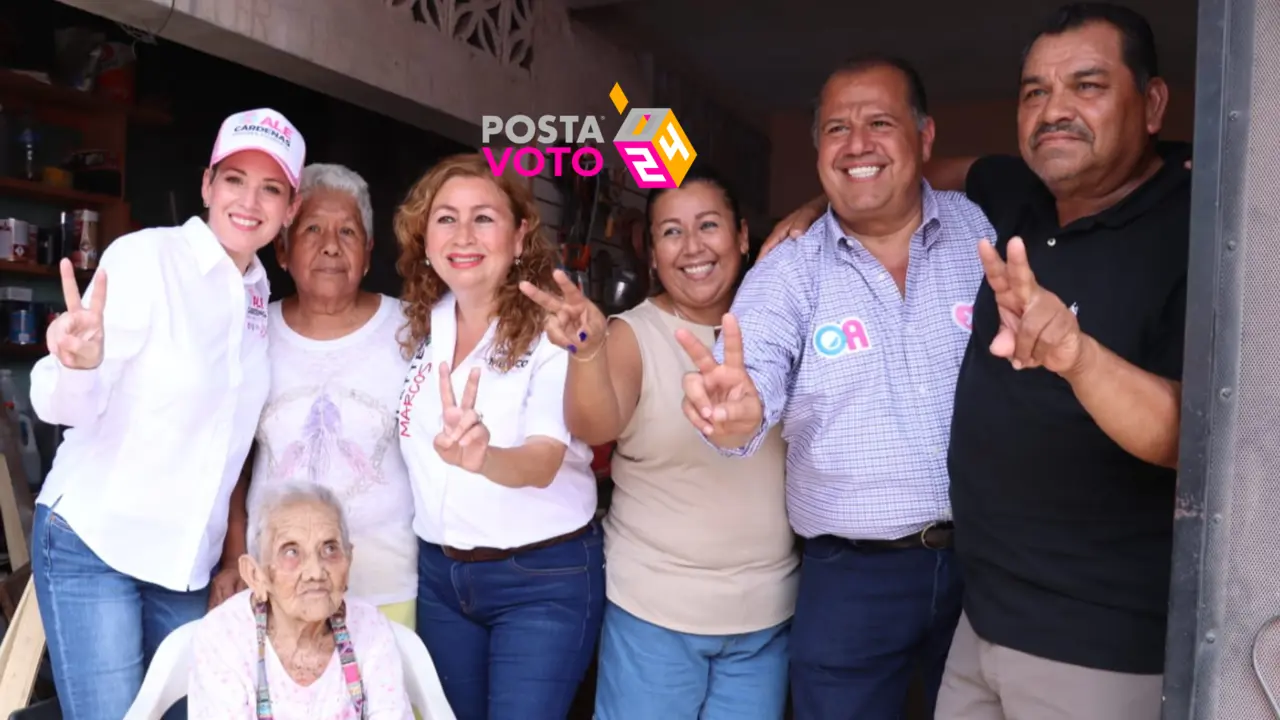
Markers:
point(866, 621)
point(512, 639)
point(647, 671)
point(102, 627)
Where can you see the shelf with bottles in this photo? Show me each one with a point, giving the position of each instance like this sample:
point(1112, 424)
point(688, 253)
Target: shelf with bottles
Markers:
point(33, 242)
point(67, 149)
point(112, 212)
point(26, 312)
point(22, 89)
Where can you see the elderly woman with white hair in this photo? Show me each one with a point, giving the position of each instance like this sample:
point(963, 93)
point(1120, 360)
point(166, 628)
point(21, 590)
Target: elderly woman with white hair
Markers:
point(337, 369)
point(293, 646)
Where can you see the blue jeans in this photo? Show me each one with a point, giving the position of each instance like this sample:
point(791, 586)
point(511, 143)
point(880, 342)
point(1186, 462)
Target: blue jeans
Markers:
point(866, 621)
point(512, 639)
point(102, 626)
point(647, 671)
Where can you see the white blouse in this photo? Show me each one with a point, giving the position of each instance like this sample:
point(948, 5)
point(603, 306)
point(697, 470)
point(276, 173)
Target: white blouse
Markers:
point(465, 510)
point(161, 429)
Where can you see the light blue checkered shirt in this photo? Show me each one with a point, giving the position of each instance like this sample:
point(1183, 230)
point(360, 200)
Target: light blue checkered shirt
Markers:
point(862, 378)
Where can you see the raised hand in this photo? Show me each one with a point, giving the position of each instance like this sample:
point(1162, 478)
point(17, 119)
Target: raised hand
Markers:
point(463, 441)
point(75, 338)
point(573, 322)
point(1036, 328)
point(720, 399)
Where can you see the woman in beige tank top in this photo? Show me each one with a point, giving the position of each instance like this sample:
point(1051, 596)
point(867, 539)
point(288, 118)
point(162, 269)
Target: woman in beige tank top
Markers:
point(700, 565)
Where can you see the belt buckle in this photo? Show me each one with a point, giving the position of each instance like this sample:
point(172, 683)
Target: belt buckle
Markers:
point(924, 542)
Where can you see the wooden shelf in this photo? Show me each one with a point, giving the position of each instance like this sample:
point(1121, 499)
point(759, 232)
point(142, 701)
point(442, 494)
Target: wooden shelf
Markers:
point(23, 268)
point(102, 124)
point(44, 192)
point(18, 268)
point(10, 352)
point(15, 84)
point(8, 267)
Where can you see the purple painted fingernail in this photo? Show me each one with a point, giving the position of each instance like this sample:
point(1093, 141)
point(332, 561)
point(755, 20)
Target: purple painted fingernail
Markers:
point(573, 349)
point(582, 336)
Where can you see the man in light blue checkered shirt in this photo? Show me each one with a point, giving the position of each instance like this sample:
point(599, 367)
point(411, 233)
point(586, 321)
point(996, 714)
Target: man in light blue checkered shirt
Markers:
point(852, 337)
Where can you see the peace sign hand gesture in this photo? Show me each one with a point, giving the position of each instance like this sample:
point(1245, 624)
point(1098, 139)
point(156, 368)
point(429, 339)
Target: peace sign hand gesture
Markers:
point(463, 441)
point(720, 399)
point(1036, 328)
point(75, 337)
point(573, 322)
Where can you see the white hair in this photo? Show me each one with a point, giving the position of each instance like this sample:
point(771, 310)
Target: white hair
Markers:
point(287, 496)
point(324, 176)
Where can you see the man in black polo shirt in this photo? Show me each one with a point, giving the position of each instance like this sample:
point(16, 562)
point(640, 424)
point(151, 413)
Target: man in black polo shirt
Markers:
point(1064, 441)
point(1062, 472)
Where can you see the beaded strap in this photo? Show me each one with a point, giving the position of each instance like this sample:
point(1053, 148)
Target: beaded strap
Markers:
point(346, 658)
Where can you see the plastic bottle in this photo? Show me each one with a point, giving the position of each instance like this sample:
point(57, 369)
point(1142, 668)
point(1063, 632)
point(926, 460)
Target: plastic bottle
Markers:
point(13, 400)
point(27, 165)
point(18, 408)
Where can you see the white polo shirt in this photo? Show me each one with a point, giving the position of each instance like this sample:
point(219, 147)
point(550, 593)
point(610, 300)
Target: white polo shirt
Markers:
point(161, 428)
point(465, 510)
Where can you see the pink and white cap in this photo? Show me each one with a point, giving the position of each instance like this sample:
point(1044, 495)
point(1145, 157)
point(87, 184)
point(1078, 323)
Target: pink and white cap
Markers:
point(264, 130)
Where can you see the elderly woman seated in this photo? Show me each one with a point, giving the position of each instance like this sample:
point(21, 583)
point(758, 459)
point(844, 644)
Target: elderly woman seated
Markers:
point(292, 646)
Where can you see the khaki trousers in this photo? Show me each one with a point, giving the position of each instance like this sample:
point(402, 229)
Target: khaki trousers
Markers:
point(983, 681)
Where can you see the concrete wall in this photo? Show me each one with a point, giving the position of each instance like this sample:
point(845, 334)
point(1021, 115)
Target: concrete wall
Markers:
point(434, 64)
point(437, 64)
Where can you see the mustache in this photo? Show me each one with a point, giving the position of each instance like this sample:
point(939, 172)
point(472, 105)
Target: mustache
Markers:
point(1075, 130)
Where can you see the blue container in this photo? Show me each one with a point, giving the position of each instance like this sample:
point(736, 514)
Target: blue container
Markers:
point(22, 327)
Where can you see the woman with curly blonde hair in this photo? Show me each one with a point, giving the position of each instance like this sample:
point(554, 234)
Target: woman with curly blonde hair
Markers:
point(510, 561)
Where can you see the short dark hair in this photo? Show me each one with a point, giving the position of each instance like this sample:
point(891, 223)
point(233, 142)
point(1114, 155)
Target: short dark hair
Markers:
point(1138, 42)
point(697, 173)
point(916, 96)
point(700, 172)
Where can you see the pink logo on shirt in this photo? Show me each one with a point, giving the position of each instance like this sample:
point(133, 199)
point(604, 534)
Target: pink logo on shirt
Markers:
point(847, 336)
point(963, 315)
point(255, 316)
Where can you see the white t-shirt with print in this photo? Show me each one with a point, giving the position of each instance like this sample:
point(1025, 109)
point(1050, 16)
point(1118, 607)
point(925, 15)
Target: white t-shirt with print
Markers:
point(331, 419)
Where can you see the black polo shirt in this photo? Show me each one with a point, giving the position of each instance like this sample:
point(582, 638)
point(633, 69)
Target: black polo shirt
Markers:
point(1064, 538)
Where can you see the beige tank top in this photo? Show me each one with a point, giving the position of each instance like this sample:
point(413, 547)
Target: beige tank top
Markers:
point(694, 541)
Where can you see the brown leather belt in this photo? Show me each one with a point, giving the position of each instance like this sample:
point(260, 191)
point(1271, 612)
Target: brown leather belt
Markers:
point(937, 536)
point(484, 554)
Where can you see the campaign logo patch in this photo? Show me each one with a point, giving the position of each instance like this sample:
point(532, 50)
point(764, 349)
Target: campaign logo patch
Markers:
point(836, 339)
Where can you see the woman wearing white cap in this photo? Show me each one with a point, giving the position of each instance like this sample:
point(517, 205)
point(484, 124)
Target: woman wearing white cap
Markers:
point(162, 377)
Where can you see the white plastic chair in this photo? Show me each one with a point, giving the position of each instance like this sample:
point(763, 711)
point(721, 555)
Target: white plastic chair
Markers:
point(421, 680)
point(166, 680)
